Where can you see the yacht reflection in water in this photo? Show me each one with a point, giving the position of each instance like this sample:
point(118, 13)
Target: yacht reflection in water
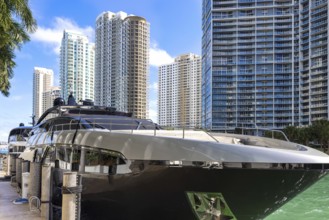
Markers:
point(131, 169)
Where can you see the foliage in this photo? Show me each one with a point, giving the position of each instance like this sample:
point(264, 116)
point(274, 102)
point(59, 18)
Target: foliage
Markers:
point(320, 133)
point(316, 135)
point(16, 21)
point(304, 136)
point(292, 133)
point(275, 135)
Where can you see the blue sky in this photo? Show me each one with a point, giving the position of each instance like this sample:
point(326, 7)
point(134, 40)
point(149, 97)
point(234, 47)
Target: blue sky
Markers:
point(175, 30)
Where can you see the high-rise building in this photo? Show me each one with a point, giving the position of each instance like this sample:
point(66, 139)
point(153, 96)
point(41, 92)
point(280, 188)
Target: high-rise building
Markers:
point(77, 59)
point(122, 62)
point(48, 98)
point(179, 98)
point(42, 82)
point(264, 63)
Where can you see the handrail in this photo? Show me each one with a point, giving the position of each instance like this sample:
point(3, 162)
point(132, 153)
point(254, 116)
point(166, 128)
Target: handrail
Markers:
point(139, 125)
point(265, 129)
point(131, 125)
point(211, 136)
point(92, 123)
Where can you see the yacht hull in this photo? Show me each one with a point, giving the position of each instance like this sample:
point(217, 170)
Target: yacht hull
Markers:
point(162, 192)
point(132, 169)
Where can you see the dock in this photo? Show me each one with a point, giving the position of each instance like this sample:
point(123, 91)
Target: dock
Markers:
point(10, 211)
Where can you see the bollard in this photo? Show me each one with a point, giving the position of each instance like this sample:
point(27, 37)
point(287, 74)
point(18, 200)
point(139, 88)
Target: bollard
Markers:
point(25, 184)
point(8, 165)
point(45, 191)
point(34, 189)
point(12, 165)
point(25, 166)
point(19, 172)
point(71, 196)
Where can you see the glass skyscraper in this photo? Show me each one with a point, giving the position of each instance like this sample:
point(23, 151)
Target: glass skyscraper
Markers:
point(264, 63)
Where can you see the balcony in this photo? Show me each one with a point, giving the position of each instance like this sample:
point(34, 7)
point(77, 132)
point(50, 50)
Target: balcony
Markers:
point(283, 26)
point(270, 33)
point(247, 41)
point(319, 17)
point(317, 24)
point(324, 111)
point(283, 45)
point(245, 52)
point(316, 4)
point(242, 62)
point(315, 31)
point(283, 60)
point(318, 11)
point(319, 53)
point(319, 43)
point(261, 72)
point(224, 42)
point(319, 85)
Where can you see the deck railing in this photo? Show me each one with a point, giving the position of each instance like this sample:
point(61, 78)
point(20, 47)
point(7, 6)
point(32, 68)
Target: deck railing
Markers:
point(130, 125)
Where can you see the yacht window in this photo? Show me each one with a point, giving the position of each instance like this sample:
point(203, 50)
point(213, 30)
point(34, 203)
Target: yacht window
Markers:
point(89, 160)
point(19, 134)
point(44, 127)
point(99, 160)
point(63, 156)
point(63, 153)
point(61, 124)
point(50, 156)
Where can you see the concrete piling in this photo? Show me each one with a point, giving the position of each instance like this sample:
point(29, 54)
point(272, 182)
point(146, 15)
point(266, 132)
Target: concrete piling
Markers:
point(25, 184)
point(34, 190)
point(45, 192)
point(25, 166)
point(19, 172)
point(71, 196)
point(12, 164)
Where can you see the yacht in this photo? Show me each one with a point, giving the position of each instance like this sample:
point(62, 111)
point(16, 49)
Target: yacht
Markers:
point(16, 145)
point(133, 169)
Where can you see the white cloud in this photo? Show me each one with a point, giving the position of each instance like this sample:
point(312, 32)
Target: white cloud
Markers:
point(153, 115)
point(4, 136)
point(153, 110)
point(21, 55)
point(17, 98)
point(52, 36)
point(154, 87)
point(153, 103)
point(159, 57)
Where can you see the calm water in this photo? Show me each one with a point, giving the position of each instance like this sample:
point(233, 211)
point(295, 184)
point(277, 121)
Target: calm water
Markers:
point(312, 204)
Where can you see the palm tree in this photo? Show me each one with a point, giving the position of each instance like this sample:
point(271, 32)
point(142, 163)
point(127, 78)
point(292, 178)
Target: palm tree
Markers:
point(16, 22)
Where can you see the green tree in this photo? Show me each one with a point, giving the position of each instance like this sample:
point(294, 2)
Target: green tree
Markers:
point(274, 134)
point(304, 136)
point(319, 131)
point(292, 133)
point(16, 21)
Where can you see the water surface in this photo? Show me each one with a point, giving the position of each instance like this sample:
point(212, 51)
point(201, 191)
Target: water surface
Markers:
point(312, 204)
